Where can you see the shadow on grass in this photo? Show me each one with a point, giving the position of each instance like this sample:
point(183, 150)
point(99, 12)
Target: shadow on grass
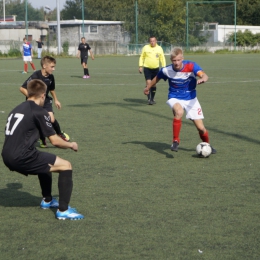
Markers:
point(79, 77)
point(155, 146)
point(135, 104)
point(136, 100)
point(13, 197)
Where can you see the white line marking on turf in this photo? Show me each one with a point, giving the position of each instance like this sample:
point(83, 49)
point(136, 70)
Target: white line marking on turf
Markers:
point(122, 84)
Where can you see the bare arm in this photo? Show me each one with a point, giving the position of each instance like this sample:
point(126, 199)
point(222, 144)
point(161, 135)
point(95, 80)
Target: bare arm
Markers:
point(141, 61)
point(91, 54)
point(78, 54)
point(59, 142)
point(56, 101)
point(203, 77)
point(24, 91)
point(153, 82)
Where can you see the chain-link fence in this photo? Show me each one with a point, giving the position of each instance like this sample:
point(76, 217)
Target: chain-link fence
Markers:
point(14, 48)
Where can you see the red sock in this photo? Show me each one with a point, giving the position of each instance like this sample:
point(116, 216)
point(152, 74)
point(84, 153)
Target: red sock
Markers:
point(205, 137)
point(33, 67)
point(176, 128)
point(25, 67)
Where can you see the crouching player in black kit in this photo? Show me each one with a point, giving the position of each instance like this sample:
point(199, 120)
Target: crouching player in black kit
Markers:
point(24, 125)
point(45, 74)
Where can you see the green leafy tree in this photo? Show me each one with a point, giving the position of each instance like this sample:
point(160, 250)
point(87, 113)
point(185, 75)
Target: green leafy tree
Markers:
point(163, 18)
point(246, 38)
point(17, 7)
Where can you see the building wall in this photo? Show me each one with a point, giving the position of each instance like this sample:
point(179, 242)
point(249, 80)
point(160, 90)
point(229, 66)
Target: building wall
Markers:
point(110, 33)
point(19, 34)
point(224, 30)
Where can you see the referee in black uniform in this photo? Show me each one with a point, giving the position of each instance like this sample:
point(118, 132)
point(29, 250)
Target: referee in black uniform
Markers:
point(24, 125)
point(83, 50)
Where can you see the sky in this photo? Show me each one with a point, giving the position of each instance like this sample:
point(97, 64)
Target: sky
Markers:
point(49, 3)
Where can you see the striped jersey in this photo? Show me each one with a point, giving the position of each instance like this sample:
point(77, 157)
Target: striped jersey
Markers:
point(182, 83)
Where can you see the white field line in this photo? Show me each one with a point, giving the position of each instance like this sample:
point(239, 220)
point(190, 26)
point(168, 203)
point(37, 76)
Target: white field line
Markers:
point(134, 84)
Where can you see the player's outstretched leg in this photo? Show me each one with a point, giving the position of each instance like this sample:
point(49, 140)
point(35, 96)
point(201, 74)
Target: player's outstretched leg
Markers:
point(203, 133)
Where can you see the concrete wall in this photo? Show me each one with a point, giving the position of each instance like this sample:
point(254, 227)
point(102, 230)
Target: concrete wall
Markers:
point(19, 34)
point(221, 34)
point(72, 34)
point(224, 30)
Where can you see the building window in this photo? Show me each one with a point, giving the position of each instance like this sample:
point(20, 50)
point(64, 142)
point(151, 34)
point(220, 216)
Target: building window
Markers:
point(93, 29)
point(85, 29)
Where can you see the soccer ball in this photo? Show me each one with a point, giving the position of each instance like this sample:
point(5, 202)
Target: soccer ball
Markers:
point(203, 149)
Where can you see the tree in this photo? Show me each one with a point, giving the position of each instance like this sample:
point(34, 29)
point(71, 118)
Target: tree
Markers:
point(17, 7)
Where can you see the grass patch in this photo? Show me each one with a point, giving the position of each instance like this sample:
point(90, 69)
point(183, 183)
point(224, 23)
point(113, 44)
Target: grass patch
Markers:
point(140, 200)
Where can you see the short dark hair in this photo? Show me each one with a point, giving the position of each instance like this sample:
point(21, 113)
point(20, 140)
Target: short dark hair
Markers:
point(152, 36)
point(36, 88)
point(47, 59)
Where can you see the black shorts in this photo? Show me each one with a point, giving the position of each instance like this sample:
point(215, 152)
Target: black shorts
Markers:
point(84, 60)
point(37, 164)
point(48, 105)
point(150, 73)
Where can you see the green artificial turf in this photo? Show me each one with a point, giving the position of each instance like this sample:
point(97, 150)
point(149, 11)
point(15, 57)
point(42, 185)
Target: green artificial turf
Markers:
point(140, 200)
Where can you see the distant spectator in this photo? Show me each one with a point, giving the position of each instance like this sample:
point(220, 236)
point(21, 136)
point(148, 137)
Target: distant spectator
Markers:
point(40, 43)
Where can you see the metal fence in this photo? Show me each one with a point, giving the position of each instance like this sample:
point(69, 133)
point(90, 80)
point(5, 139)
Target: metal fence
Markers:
point(114, 48)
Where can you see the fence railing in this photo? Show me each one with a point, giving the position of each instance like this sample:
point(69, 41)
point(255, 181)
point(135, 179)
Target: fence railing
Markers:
point(114, 48)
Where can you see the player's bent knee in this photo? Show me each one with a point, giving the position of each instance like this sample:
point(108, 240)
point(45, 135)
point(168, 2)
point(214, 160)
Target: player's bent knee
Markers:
point(60, 165)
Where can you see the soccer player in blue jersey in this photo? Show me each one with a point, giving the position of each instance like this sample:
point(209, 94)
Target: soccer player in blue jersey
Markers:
point(27, 55)
point(181, 76)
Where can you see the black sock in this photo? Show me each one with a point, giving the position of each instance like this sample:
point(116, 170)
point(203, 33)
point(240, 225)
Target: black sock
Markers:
point(85, 71)
point(153, 91)
point(46, 185)
point(42, 137)
point(65, 185)
point(56, 127)
point(149, 95)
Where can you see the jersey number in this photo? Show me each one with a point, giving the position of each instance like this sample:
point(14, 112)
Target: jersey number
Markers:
point(19, 119)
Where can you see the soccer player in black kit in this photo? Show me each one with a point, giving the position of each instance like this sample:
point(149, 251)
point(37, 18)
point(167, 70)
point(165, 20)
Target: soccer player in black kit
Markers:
point(45, 74)
point(24, 125)
point(83, 50)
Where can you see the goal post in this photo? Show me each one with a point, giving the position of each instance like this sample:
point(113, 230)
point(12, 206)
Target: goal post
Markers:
point(206, 15)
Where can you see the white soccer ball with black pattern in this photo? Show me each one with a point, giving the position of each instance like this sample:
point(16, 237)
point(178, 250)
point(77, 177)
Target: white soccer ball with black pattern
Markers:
point(204, 149)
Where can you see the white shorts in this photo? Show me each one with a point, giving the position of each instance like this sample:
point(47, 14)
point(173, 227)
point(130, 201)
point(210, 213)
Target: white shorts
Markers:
point(27, 58)
point(192, 107)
